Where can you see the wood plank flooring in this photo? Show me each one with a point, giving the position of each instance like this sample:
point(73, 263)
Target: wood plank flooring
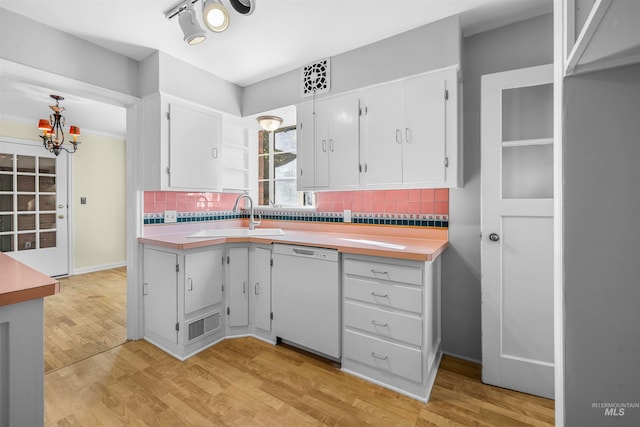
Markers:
point(87, 317)
point(246, 382)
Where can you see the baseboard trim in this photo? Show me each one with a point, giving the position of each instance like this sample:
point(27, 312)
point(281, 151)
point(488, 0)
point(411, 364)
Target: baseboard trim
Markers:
point(95, 268)
point(468, 359)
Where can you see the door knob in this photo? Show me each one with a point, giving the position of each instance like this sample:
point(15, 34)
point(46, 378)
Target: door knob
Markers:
point(494, 237)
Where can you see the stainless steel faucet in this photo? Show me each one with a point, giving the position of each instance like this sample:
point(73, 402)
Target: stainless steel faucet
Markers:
point(252, 220)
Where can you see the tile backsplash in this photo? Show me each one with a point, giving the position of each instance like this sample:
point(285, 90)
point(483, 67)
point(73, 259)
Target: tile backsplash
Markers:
point(419, 207)
point(419, 201)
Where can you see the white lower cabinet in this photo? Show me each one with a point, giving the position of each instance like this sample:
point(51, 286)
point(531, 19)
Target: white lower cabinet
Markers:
point(391, 322)
point(238, 286)
point(260, 275)
point(390, 309)
point(182, 297)
point(194, 298)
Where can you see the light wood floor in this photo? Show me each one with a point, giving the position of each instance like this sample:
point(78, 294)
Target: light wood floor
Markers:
point(87, 317)
point(245, 381)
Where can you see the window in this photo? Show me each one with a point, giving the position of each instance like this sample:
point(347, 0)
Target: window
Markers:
point(277, 170)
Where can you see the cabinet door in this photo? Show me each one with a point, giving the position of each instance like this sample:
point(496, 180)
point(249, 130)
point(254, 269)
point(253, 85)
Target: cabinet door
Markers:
point(261, 270)
point(160, 290)
point(202, 280)
point(323, 118)
point(423, 132)
point(194, 137)
point(383, 135)
point(344, 141)
point(305, 136)
point(238, 284)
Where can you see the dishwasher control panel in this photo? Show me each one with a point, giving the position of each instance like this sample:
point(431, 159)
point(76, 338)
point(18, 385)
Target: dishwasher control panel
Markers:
point(306, 252)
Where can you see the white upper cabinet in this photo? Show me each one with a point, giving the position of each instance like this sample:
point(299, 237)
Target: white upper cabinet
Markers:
point(305, 138)
point(337, 142)
point(410, 133)
point(328, 143)
point(401, 134)
point(182, 145)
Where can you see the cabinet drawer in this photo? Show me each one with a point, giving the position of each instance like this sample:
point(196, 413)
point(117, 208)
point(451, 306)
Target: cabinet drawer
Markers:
point(394, 358)
point(384, 323)
point(382, 271)
point(383, 295)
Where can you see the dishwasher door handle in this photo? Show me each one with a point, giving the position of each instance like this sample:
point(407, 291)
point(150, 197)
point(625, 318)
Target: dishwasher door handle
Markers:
point(306, 252)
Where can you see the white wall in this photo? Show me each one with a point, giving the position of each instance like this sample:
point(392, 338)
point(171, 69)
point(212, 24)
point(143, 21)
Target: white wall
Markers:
point(602, 231)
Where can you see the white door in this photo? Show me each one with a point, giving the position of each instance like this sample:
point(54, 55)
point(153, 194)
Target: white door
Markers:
point(34, 227)
point(203, 280)
point(382, 135)
point(517, 230)
point(344, 141)
point(194, 145)
point(261, 268)
point(160, 295)
point(238, 285)
point(423, 133)
point(305, 137)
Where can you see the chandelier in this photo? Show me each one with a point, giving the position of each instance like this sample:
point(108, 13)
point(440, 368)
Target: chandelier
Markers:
point(52, 132)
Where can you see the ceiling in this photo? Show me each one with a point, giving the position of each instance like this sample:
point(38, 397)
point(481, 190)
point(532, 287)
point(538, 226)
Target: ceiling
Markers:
point(281, 35)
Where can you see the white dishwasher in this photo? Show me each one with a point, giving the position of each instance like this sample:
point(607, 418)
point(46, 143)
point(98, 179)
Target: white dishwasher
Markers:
point(306, 298)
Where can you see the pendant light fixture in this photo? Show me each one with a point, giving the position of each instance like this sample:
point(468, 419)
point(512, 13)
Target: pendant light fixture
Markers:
point(269, 123)
point(53, 133)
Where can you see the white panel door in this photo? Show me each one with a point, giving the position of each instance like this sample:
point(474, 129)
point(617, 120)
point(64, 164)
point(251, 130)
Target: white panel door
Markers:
point(261, 270)
point(423, 133)
point(160, 290)
point(517, 230)
point(383, 135)
point(203, 280)
point(238, 285)
point(34, 227)
point(305, 138)
point(344, 141)
point(194, 152)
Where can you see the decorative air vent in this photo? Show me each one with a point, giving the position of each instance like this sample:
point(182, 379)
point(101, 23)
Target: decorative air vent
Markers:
point(203, 326)
point(316, 78)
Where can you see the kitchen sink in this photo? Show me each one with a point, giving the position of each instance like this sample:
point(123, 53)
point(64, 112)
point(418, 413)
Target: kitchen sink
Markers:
point(238, 232)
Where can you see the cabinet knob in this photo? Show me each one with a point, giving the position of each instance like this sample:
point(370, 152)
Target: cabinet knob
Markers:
point(494, 237)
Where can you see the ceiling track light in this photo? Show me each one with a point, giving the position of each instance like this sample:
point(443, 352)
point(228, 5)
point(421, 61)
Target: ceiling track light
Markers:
point(243, 7)
point(215, 15)
point(193, 32)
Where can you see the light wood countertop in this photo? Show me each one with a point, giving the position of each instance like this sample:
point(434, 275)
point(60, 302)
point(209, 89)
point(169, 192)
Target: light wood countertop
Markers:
point(413, 243)
point(19, 283)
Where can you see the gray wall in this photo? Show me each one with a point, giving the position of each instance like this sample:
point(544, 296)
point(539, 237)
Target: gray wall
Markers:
point(602, 233)
point(160, 72)
point(27, 42)
point(425, 48)
point(524, 44)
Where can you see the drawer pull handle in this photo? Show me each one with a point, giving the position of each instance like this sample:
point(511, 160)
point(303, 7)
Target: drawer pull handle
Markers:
point(376, 356)
point(386, 273)
point(373, 294)
point(383, 325)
